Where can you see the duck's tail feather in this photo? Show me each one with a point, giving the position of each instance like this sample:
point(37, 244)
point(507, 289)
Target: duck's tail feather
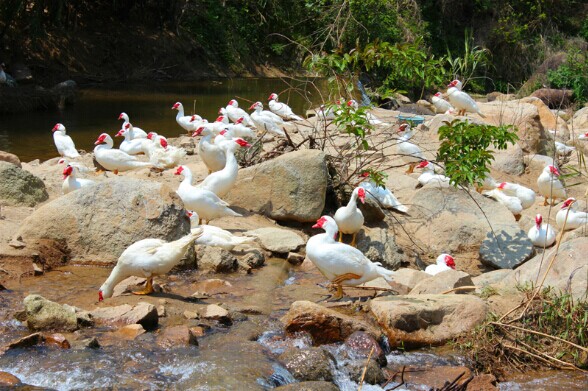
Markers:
point(385, 273)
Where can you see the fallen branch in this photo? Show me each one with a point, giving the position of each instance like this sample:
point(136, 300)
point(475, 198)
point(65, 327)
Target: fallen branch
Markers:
point(365, 369)
point(539, 333)
point(460, 288)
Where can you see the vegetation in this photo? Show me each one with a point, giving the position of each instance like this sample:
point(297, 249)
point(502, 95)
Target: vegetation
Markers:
point(573, 74)
point(465, 150)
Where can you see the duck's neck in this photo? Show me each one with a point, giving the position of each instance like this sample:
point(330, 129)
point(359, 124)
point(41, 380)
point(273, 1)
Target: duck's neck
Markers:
point(330, 231)
point(187, 177)
point(180, 112)
point(353, 200)
point(115, 277)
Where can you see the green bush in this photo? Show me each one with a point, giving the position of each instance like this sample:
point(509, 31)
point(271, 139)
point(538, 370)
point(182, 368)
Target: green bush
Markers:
point(573, 74)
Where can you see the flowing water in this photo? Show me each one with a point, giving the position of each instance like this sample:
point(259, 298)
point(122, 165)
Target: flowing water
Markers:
point(149, 108)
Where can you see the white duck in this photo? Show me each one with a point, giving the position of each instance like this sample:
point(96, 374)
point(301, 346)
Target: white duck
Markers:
point(541, 235)
point(513, 204)
point(461, 100)
point(239, 130)
point(339, 262)
point(429, 176)
point(64, 143)
point(221, 182)
point(441, 105)
point(409, 152)
point(147, 258)
point(526, 195)
point(575, 220)
point(563, 150)
point(444, 262)
point(235, 112)
point(583, 136)
point(204, 202)
point(132, 145)
point(163, 155)
point(487, 184)
point(71, 182)
point(211, 154)
point(349, 218)
point(215, 236)
point(383, 195)
point(550, 186)
point(114, 159)
point(185, 121)
point(137, 132)
point(81, 168)
point(263, 123)
point(372, 119)
point(282, 109)
point(325, 113)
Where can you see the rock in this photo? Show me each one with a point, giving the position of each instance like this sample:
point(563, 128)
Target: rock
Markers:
point(360, 344)
point(401, 98)
point(309, 386)
point(191, 314)
point(424, 320)
point(578, 121)
point(524, 116)
point(569, 272)
point(87, 343)
point(438, 121)
point(371, 211)
point(277, 240)
point(509, 161)
point(144, 314)
point(161, 311)
point(443, 282)
point(24, 342)
point(215, 312)
point(254, 258)
point(373, 372)
point(57, 340)
point(404, 280)
point(290, 187)
point(130, 331)
point(10, 158)
point(436, 377)
point(295, 258)
point(490, 278)
point(547, 118)
point(216, 259)
point(505, 249)
point(485, 382)
point(127, 285)
point(491, 97)
point(176, 336)
point(309, 363)
point(86, 219)
point(324, 325)
point(426, 104)
point(379, 245)
point(555, 99)
point(9, 380)
point(448, 220)
point(19, 187)
point(43, 314)
point(536, 163)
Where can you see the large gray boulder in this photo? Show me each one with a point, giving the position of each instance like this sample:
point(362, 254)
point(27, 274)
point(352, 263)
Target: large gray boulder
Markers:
point(379, 245)
point(290, 187)
point(99, 222)
point(277, 240)
point(425, 320)
point(19, 187)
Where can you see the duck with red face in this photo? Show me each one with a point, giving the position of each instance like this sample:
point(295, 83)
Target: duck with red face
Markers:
point(444, 262)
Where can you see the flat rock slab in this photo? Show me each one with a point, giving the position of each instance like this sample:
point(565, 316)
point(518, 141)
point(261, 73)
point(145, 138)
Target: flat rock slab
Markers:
point(144, 314)
point(426, 320)
point(277, 240)
point(176, 336)
point(443, 282)
point(506, 248)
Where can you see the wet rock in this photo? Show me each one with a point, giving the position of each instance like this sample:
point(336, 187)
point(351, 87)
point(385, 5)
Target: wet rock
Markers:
point(130, 331)
point(85, 219)
point(404, 280)
point(191, 314)
point(176, 336)
point(449, 220)
point(290, 187)
point(323, 324)
point(309, 386)
point(9, 380)
point(57, 340)
point(277, 240)
point(360, 345)
point(485, 382)
point(254, 258)
point(554, 98)
point(10, 158)
point(24, 342)
point(379, 245)
point(19, 187)
point(506, 249)
point(424, 320)
point(295, 258)
point(216, 259)
point(43, 314)
point(443, 282)
point(436, 377)
point(144, 314)
point(569, 272)
point(87, 343)
point(216, 312)
point(373, 372)
point(210, 287)
point(309, 364)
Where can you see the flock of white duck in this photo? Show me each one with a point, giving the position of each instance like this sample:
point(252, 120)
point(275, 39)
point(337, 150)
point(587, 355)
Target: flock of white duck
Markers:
point(342, 264)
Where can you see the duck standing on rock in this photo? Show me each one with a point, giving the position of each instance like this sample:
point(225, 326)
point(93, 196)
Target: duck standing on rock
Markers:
point(147, 258)
point(349, 218)
point(541, 235)
point(576, 219)
point(409, 152)
point(212, 156)
point(70, 180)
point(215, 236)
point(221, 182)
point(265, 123)
point(444, 262)
point(339, 262)
point(64, 144)
point(281, 109)
point(461, 100)
point(441, 105)
point(550, 187)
